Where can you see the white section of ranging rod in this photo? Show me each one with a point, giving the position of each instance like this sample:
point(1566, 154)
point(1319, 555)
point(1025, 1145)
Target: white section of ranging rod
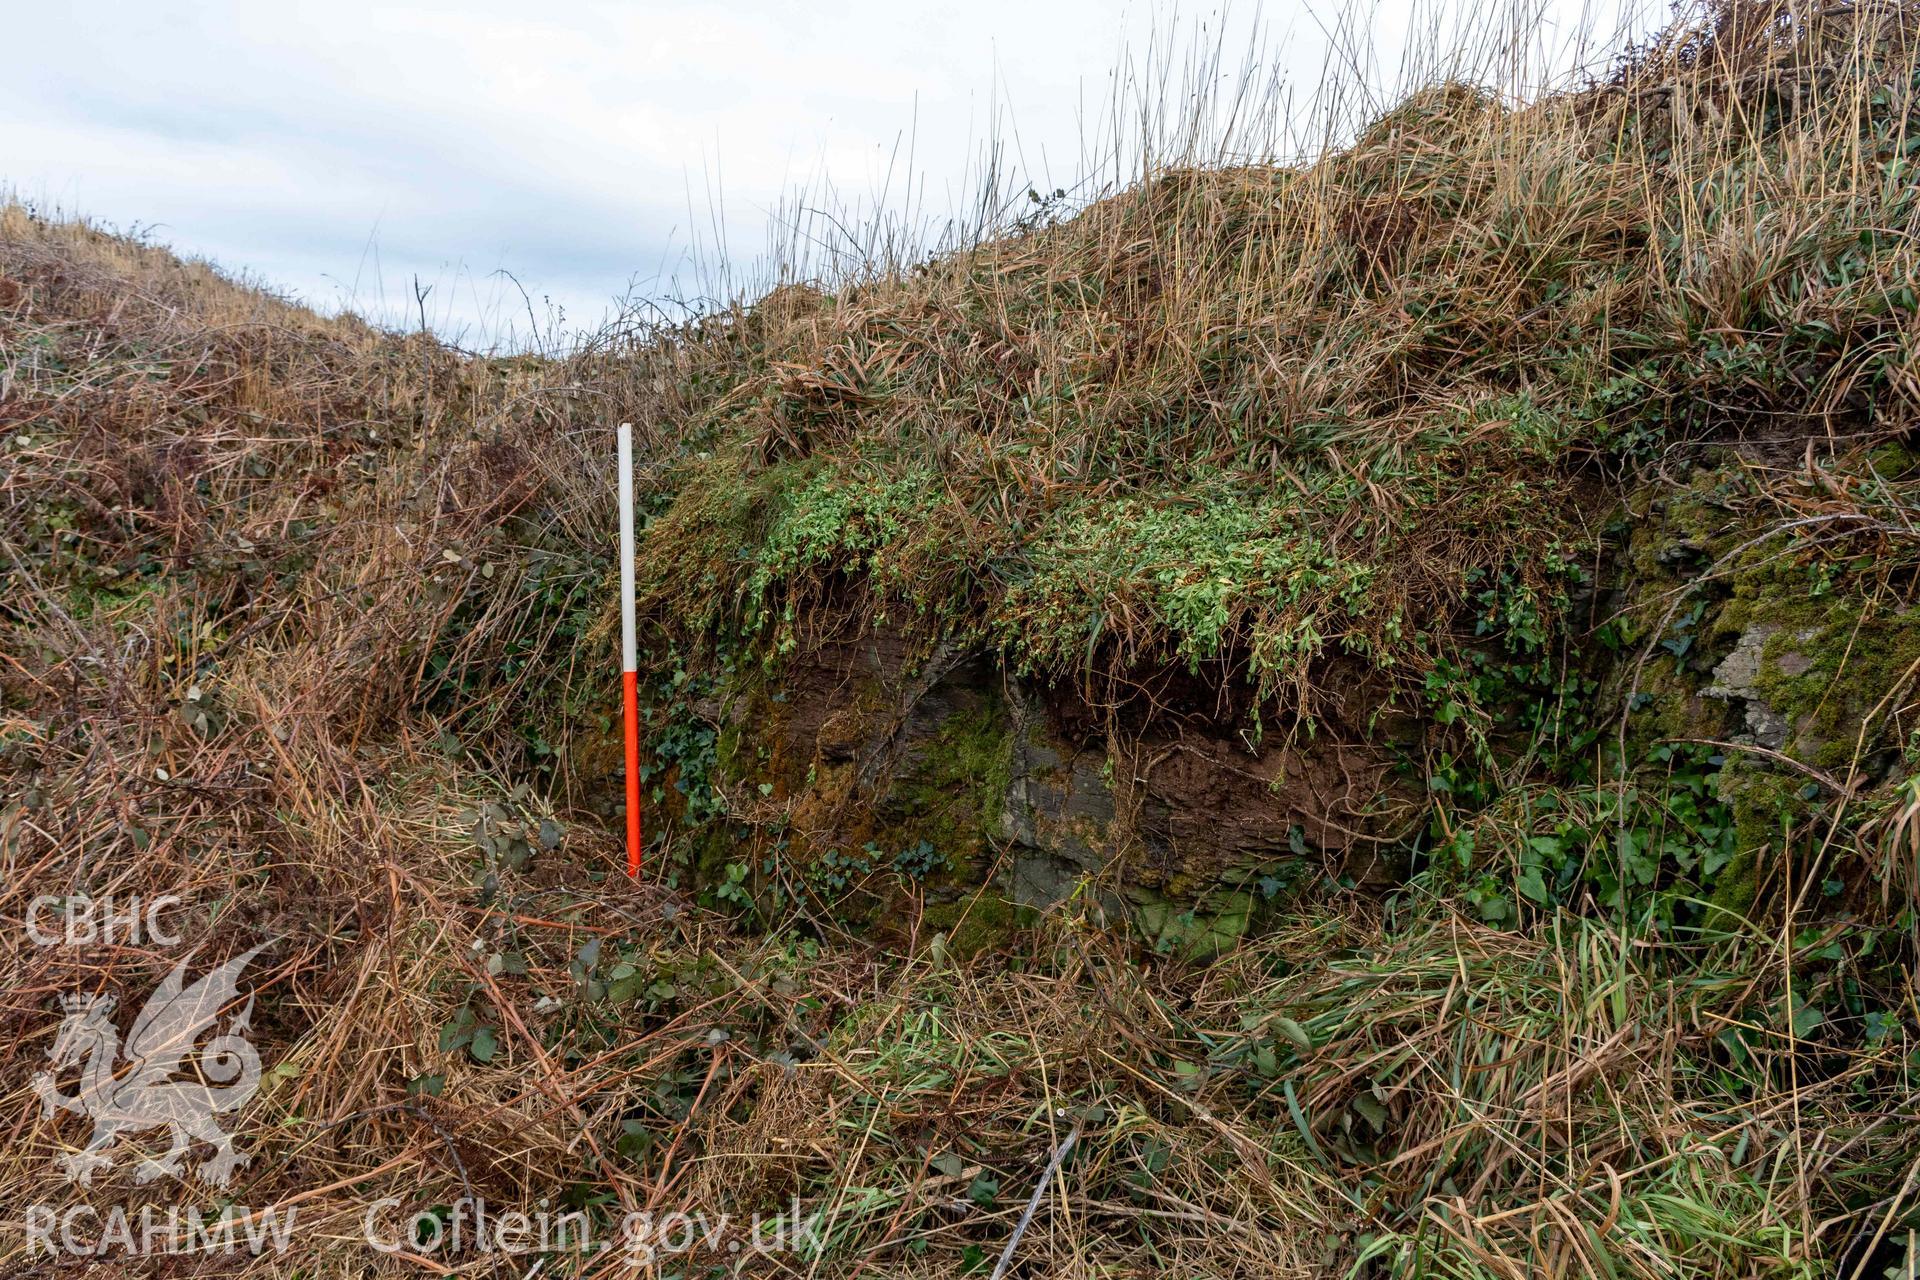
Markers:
point(629, 640)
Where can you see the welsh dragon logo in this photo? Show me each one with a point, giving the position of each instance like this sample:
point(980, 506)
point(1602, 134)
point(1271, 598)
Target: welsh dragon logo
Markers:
point(141, 1093)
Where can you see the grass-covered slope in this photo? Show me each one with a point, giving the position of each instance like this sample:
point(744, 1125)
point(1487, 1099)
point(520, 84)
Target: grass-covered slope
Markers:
point(1246, 419)
point(1439, 452)
point(1538, 479)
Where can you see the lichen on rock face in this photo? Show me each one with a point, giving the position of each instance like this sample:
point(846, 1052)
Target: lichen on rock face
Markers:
point(1833, 656)
point(1737, 680)
point(1057, 814)
point(1780, 653)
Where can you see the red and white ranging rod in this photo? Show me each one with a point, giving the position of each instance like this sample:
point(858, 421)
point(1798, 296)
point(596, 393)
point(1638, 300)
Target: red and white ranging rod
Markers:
point(629, 650)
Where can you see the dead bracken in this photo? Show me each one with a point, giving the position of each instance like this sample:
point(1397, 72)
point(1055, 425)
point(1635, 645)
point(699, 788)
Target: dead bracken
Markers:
point(1347, 716)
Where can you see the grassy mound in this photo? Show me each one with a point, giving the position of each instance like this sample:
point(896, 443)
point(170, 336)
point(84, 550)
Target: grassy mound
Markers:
point(1241, 420)
point(1377, 448)
point(1562, 451)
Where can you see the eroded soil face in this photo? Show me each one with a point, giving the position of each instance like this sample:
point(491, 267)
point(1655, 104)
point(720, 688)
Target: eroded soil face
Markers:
point(872, 746)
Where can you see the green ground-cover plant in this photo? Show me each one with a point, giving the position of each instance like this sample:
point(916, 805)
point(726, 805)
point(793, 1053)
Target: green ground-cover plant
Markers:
point(1534, 409)
point(1336, 391)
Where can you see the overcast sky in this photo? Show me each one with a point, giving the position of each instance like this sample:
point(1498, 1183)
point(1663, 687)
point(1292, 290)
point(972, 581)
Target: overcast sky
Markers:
point(341, 150)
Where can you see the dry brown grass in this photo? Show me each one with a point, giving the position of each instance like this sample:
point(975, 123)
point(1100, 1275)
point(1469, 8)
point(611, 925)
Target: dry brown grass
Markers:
point(1426, 353)
point(288, 602)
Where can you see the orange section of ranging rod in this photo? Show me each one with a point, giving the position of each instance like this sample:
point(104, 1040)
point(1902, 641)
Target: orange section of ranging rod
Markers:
point(630, 683)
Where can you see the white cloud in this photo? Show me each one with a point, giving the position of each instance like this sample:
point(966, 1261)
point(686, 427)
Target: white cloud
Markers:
point(341, 149)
